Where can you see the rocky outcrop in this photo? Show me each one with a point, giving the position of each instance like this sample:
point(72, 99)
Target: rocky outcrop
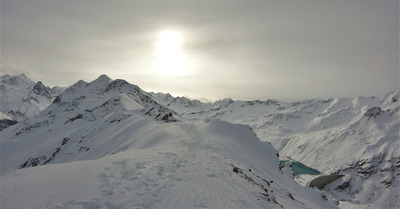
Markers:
point(4, 123)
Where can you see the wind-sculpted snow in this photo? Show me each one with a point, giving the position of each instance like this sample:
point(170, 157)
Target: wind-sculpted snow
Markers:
point(194, 164)
point(333, 136)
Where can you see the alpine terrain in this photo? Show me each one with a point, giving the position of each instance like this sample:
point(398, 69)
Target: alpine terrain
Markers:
point(109, 144)
point(22, 98)
point(354, 138)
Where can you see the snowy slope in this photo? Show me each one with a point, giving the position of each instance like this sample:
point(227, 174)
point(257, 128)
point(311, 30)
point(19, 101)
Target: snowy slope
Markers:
point(22, 98)
point(184, 165)
point(4, 116)
point(356, 137)
point(83, 110)
point(108, 144)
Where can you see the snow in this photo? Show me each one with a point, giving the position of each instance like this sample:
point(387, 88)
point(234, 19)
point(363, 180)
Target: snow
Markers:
point(182, 165)
point(22, 98)
point(109, 144)
point(332, 136)
point(4, 116)
point(101, 145)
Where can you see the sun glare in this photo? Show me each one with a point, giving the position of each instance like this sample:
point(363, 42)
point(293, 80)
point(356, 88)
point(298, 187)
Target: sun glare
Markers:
point(169, 58)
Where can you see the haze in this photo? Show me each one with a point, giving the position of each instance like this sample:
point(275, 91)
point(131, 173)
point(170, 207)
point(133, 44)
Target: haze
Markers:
point(240, 49)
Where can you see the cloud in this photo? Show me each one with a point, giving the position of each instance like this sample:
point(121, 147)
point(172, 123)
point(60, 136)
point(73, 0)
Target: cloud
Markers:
point(236, 48)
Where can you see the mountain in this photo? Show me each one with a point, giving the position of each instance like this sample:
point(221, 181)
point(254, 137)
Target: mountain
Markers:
point(109, 144)
point(355, 137)
point(102, 101)
point(22, 98)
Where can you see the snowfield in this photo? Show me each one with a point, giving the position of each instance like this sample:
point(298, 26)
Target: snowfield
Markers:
point(182, 165)
point(356, 137)
point(109, 144)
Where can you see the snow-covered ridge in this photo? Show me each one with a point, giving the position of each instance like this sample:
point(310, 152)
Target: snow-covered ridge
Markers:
point(334, 136)
point(108, 144)
point(194, 164)
point(132, 149)
point(104, 95)
point(83, 105)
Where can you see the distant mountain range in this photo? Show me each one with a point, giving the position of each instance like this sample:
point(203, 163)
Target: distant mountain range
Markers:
point(22, 98)
point(109, 144)
point(355, 137)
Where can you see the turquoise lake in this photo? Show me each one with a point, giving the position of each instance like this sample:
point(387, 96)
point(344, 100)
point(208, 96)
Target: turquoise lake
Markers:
point(299, 168)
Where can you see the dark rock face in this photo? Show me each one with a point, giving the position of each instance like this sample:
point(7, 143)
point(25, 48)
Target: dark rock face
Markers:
point(40, 89)
point(4, 123)
point(373, 112)
point(322, 181)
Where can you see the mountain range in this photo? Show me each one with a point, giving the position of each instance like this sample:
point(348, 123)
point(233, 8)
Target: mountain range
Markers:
point(22, 98)
point(109, 144)
point(355, 137)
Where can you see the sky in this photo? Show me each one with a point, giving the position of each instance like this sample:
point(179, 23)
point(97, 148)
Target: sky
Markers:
point(287, 50)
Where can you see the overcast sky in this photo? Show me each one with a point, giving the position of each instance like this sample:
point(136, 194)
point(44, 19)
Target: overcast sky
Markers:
point(284, 50)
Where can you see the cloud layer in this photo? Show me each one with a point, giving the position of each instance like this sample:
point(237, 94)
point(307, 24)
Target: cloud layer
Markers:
point(239, 49)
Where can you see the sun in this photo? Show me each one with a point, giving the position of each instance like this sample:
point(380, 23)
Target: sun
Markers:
point(169, 57)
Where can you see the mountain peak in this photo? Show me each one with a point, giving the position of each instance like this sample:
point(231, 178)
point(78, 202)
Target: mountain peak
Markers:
point(101, 81)
point(77, 85)
point(19, 80)
point(25, 78)
point(23, 75)
point(104, 77)
point(81, 83)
